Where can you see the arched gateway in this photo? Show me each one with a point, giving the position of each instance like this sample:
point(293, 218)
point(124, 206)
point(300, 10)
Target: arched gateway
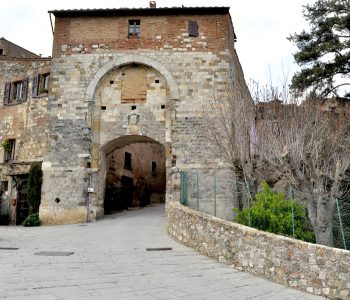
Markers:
point(128, 102)
point(122, 79)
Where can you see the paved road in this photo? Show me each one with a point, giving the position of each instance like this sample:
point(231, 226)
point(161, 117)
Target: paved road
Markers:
point(110, 261)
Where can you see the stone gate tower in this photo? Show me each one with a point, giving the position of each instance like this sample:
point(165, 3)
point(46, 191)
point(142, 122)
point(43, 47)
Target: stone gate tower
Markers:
point(123, 76)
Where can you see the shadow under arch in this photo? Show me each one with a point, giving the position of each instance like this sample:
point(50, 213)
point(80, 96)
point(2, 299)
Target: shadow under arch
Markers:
point(125, 140)
point(116, 144)
point(126, 60)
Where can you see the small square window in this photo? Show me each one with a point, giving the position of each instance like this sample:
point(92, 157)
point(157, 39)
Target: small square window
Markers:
point(4, 185)
point(103, 107)
point(193, 28)
point(127, 161)
point(133, 107)
point(162, 106)
point(9, 147)
point(156, 81)
point(134, 28)
point(111, 82)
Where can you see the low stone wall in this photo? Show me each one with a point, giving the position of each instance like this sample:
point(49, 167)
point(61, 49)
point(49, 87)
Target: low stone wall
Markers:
point(312, 268)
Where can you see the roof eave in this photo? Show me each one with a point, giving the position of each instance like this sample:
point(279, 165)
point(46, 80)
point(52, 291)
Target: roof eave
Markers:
point(141, 11)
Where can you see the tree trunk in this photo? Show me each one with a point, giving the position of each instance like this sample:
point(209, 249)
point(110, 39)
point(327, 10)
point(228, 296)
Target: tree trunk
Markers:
point(324, 235)
point(322, 221)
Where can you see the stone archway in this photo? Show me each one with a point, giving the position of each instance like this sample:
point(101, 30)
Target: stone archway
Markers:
point(126, 60)
point(137, 182)
point(113, 116)
point(101, 120)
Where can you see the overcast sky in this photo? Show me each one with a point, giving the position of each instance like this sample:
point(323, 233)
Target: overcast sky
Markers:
point(261, 28)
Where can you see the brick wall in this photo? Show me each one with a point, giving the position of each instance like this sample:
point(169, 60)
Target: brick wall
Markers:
point(101, 34)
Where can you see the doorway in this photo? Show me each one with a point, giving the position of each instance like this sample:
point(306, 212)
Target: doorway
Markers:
point(22, 207)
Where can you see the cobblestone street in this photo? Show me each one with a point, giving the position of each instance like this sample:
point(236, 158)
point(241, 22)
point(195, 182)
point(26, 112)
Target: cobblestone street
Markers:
point(111, 261)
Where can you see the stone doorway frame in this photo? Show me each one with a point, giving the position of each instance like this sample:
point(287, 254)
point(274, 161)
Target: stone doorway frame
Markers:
point(89, 98)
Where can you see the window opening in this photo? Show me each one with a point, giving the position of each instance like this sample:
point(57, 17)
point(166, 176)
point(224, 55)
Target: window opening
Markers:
point(162, 106)
point(5, 185)
point(133, 107)
point(127, 161)
point(17, 91)
point(193, 28)
point(40, 84)
point(134, 28)
point(154, 168)
point(9, 147)
point(1, 51)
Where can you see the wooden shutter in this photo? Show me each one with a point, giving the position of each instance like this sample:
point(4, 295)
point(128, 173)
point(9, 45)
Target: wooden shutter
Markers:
point(193, 28)
point(35, 87)
point(24, 89)
point(7, 93)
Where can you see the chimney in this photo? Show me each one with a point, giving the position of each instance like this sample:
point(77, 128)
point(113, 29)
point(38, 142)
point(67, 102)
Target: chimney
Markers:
point(152, 4)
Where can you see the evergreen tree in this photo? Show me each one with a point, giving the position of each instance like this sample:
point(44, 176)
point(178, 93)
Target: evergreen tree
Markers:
point(34, 187)
point(324, 51)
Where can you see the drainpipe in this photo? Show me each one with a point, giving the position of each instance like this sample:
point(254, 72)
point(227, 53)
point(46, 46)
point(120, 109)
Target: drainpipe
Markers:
point(53, 32)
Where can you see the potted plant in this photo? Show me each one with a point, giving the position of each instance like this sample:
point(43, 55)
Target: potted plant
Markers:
point(6, 145)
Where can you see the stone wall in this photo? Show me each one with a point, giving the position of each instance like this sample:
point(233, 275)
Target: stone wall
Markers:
point(312, 268)
point(93, 104)
point(180, 126)
point(24, 121)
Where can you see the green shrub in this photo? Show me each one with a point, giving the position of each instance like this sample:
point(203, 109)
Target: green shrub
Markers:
point(35, 180)
point(32, 220)
point(271, 212)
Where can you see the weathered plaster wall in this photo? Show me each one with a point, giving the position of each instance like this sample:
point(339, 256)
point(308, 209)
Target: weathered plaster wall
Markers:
point(313, 268)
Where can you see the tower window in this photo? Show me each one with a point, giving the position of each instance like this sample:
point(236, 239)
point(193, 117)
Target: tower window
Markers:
point(134, 28)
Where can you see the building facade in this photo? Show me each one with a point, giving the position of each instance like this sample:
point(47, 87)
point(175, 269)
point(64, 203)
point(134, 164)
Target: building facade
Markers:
point(124, 77)
point(23, 121)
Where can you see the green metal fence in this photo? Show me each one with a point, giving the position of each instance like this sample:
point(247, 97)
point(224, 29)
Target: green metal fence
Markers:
point(184, 188)
point(202, 191)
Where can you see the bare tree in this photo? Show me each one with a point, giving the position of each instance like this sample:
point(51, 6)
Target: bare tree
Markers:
point(302, 145)
point(230, 122)
point(309, 149)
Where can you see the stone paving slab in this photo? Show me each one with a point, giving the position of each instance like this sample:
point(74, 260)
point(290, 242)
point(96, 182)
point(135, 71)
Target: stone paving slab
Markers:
point(110, 261)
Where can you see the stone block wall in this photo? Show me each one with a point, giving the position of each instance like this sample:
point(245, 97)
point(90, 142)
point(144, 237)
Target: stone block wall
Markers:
point(89, 110)
point(24, 121)
point(309, 267)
